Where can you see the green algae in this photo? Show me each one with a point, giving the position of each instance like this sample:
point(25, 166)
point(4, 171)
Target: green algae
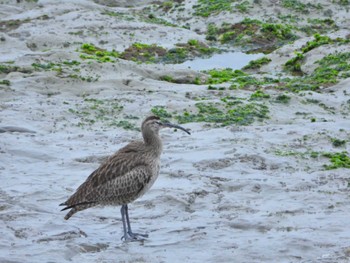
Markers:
point(218, 76)
point(161, 112)
point(338, 160)
point(252, 34)
point(206, 8)
point(106, 113)
point(294, 64)
point(90, 51)
point(256, 64)
point(152, 53)
point(224, 114)
point(300, 7)
point(282, 98)
point(331, 68)
point(259, 95)
point(5, 82)
point(6, 69)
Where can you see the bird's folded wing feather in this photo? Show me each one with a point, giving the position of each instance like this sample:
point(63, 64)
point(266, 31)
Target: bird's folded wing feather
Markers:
point(121, 167)
point(122, 189)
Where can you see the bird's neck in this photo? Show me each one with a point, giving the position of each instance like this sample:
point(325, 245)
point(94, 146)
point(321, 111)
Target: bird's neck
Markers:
point(153, 141)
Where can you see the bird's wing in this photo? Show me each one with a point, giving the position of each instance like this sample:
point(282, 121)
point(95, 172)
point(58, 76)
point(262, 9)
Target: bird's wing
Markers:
point(119, 190)
point(115, 169)
point(122, 189)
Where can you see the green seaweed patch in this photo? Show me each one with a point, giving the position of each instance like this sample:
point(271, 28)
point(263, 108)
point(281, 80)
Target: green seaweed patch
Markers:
point(245, 81)
point(259, 95)
point(143, 52)
point(243, 7)
point(319, 40)
point(199, 47)
point(342, 2)
point(206, 8)
point(238, 78)
point(161, 112)
point(152, 53)
point(252, 34)
point(159, 21)
point(185, 80)
point(65, 69)
point(291, 18)
point(167, 78)
point(105, 113)
point(175, 55)
point(226, 113)
point(166, 6)
point(282, 98)
point(330, 69)
point(6, 69)
point(338, 142)
point(125, 124)
point(47, 66)
point(90, 51)
point(339, 60)
point(12, 24)
point(338, 160)
point(229, 110)
point(300, 7)
point(184, 51)
point(294, 64)
point(258, 63)
point(8, 25)
point(319, 26)
point(218, 76)
point(5, 82)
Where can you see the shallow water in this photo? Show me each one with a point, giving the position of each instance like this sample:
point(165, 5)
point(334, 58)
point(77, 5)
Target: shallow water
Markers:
point(234, 60)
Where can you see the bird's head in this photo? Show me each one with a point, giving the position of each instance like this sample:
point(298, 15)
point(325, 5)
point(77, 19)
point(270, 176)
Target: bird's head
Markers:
point(154, 123)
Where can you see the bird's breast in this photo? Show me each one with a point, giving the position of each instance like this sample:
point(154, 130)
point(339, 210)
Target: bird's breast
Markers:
point(155, 167)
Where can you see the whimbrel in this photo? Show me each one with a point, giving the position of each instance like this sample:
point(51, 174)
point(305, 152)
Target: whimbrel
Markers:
point(124, 176)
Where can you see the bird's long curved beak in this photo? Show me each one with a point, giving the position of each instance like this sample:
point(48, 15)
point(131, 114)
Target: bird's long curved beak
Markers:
point(171, 125)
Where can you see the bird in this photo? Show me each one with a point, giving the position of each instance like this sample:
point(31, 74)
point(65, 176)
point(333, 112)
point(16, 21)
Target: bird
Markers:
point(124, 176)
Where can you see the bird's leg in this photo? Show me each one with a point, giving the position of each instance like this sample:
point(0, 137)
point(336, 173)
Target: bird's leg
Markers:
point(129, 226)
point(128, 234)
point(122, 211)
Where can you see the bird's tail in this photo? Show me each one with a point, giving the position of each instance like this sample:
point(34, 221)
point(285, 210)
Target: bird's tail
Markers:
point(76, 208)
point(70, 213)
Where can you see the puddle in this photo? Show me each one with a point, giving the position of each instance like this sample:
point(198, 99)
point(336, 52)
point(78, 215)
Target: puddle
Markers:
point(234, 60)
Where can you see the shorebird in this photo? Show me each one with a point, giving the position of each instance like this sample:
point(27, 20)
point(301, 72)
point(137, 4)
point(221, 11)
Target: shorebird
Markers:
point(124, 176)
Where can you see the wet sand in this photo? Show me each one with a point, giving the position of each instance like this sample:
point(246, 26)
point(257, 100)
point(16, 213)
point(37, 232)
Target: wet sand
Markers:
point(223, 194)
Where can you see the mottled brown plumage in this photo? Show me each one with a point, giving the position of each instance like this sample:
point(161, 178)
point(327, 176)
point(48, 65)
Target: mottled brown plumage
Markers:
point(125, 176)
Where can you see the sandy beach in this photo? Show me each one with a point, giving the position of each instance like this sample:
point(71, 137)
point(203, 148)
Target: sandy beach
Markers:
point(269, 184)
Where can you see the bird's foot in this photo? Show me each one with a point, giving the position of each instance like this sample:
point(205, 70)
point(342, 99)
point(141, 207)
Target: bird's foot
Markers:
point(134, 237)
